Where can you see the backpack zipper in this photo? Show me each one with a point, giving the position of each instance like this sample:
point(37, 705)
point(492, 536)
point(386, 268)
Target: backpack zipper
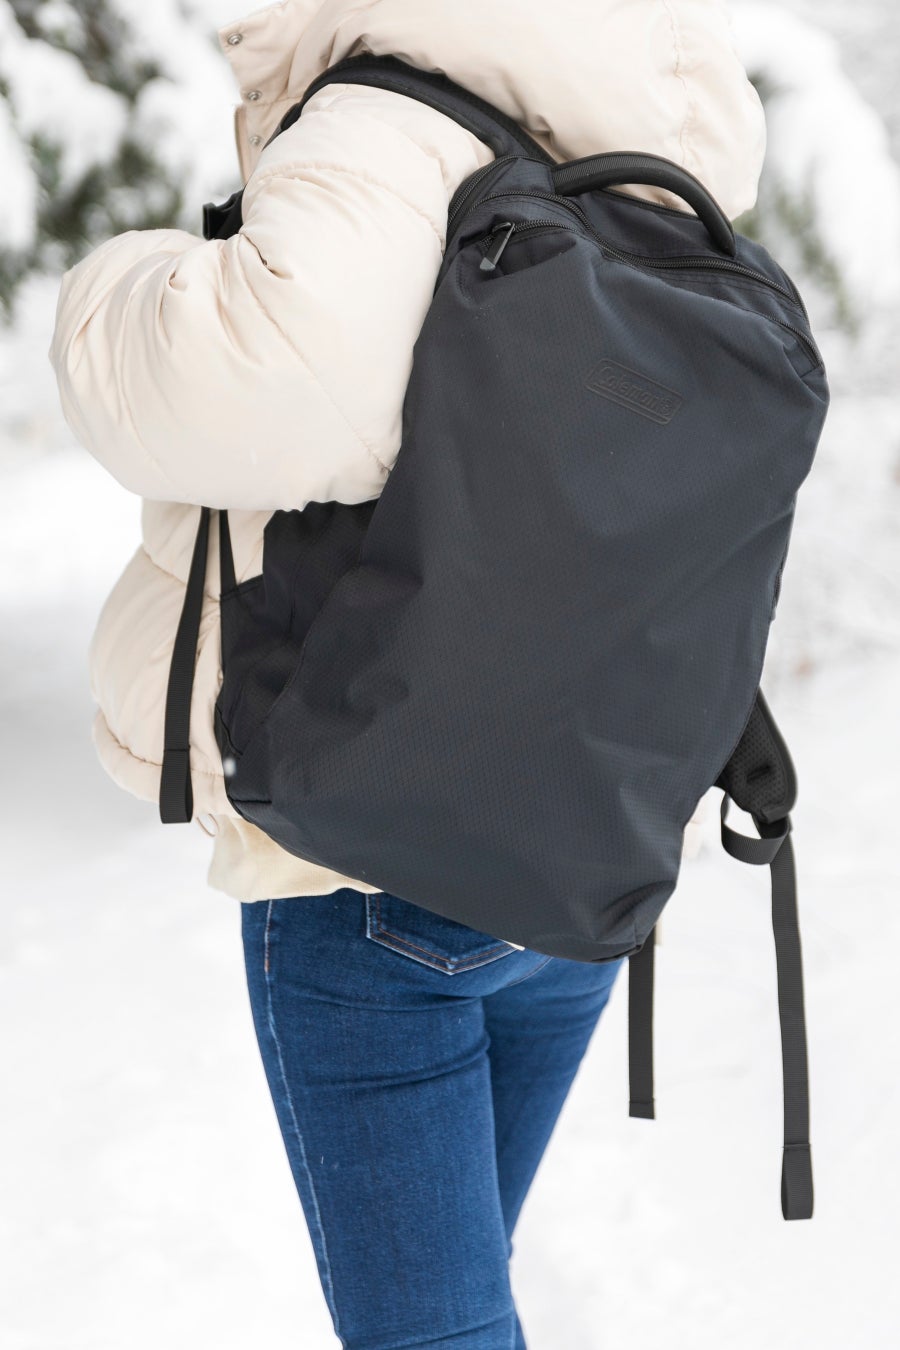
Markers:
point(505, 231)
point(686, 261)
point(501, 234)
point(801, 337)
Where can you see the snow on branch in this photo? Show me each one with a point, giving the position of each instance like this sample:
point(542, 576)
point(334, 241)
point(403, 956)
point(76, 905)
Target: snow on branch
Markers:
point(829, 195)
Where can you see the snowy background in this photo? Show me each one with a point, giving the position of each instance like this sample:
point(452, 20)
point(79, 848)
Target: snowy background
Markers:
point(146, 1197)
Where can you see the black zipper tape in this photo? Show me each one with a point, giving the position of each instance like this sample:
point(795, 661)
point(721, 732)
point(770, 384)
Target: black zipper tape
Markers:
point(508, 229)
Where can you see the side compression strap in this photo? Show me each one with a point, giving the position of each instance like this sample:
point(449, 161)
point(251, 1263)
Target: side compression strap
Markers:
point(775, 850)
point(640, 1030)
point(176, 795)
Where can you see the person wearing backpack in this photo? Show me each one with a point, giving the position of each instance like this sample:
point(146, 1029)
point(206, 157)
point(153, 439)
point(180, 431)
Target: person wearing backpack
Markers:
point(417, 1065)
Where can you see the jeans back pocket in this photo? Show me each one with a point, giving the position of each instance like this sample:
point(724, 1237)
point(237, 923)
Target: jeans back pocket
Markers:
point(429, 938)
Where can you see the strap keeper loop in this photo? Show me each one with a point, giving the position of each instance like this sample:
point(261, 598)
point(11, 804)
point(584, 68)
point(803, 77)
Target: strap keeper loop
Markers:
point(758, 852)
point(797, 1182)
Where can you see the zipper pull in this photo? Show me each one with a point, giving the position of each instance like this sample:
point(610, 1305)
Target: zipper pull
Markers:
point(501, 237)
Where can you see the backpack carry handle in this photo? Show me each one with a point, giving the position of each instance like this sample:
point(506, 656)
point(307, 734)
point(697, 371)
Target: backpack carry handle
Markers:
point(627, 166)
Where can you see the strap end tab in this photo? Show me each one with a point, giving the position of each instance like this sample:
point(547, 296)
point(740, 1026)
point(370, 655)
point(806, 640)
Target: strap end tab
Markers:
point(797, 1182)
point(176, 798)
point(642, 1110)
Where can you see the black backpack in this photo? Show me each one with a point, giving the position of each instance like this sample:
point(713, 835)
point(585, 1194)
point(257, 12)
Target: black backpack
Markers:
point(499, 689)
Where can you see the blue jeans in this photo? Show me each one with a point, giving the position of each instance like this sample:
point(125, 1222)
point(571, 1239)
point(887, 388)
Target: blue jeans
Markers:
point(417, 1068)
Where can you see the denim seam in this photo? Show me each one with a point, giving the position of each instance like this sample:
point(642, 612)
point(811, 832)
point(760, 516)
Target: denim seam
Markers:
point(448, 963)
point(529, 974)
point(290, 1101)
point(442, 963)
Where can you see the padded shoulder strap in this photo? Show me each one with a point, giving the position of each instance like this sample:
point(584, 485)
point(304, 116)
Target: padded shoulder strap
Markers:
point(501, 132)
point(760, 776)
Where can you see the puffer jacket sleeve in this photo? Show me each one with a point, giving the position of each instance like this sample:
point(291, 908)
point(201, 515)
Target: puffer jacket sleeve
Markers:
point(268, 369)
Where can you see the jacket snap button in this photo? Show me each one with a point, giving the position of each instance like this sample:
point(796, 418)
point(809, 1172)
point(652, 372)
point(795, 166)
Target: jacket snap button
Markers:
point(254, 94)
point(234, 39)
point(255, 140)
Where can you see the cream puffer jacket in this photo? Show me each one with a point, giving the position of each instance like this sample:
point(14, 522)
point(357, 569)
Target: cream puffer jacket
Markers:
point(267, 370)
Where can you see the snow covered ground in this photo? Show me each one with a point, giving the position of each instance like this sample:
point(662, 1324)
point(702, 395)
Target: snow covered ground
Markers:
point(147, 1201)
point(146, 1197)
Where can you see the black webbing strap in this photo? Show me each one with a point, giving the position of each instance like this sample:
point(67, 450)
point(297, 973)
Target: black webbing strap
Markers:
point(759, 777)
point(176, 795)
point(640, 1030)
point(774, 849)
point(226, 560)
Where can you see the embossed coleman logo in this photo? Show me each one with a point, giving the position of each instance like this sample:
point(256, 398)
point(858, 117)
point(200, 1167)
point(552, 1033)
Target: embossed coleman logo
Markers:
point(637, 392)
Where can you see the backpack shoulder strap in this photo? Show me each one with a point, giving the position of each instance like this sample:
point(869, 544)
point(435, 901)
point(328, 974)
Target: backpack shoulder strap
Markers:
point(505, 137)
point(499, 131)
point(760, 779)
